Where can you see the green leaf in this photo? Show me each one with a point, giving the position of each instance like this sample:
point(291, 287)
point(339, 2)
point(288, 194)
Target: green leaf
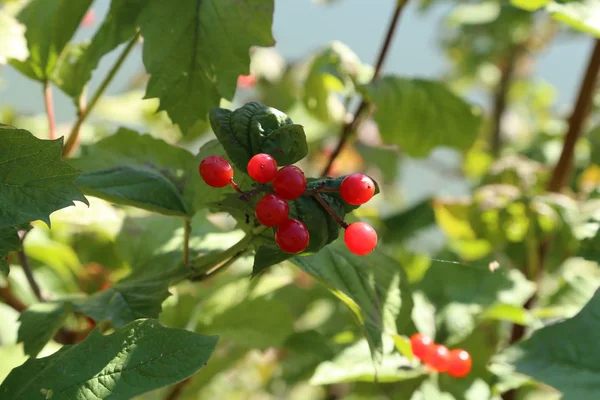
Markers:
point(138, 170)
point(354, 364)
point(563, 355)
point(139, 295)
point(50, 24)
point(257, 323)
point(374, 287)
point(12, 39)
point(141, 357)
point(579, 15)
point(197, 61)
point(39, 323)
point(403, 225)
point(330, 72)
point(529, 5)
point(9, 241)
point(76, 65)
point(419, 115)
point(34, 181)
point(255, 128)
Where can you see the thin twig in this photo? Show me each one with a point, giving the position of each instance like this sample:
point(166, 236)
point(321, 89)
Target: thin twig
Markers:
point(49, 103)
point(177, 388)
point(29, 274)
point(351, 126)
point(187, 232)
point(70, 145)
point(564, 168)
point(219, 268)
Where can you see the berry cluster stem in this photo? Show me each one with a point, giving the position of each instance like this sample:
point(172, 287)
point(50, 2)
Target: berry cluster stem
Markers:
point(236, 186)
point(351, 126)
point(330, 210)
point(49, 103)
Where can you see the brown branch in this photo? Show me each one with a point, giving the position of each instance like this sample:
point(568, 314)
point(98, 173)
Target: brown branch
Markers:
point(29, 275)
point(177, 388)
point(563, 170)
point(11, 300)
point(351, 126)
point(49, 103)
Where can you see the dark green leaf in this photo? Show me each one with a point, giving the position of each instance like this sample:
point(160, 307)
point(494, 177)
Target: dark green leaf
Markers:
point(12, 39)
point(257, 323)
point(419, 115)
point(139, 295)
point(266, 256)
point(140, 357)
point(9, 241)
point(138, 170)
point(39, 323)
point(403, 225)
point(374, 287)
point(76, 65)
point(50, 25)
point(197, 61)
point(563, 355)
point(255, 128)
point(34, 181)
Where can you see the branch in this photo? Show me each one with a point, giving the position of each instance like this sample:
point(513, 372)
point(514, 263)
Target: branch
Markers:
point(499, 106)
point(11, 300)
point(351, 126)
point(85, 112)
point(49, 103)
point(564, 168)
point(29, 274)
point(187, 231)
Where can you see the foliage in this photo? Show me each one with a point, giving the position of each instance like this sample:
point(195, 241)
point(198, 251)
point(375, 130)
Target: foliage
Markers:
point(124, 275)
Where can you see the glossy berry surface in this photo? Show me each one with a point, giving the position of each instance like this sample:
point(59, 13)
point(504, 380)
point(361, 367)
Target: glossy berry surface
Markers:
point(292, 236)
point(272, 210)
point(459, 363)
point(216, 171)
point(357, 189)
point(422, 346)
point(262, 168)
point(289, 182)
point(440, 358)
point(360, 238)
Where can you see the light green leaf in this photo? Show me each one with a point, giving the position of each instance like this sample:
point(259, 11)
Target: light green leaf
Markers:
point(563, 355)
point(529, 5)
point(76, 65)
point(9, 241)
point(50, 24)
point(34, 181)
point(374, 287)
point(419, 115)
point(138, 170)
point(39, 323)
point(197, 61)
point(580, 15)
point(257, 323)
point(139, 295)
point(12, 39)
point(354, 364)
point(142, 356)
point(331, 70)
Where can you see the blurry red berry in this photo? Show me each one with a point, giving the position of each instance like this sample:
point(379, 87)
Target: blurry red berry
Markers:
point(459, 364)
point(216, 171)
point(262, 168)
point(357, 189)
point(422, 345)
point(289, 182)
point(292, 236)
point(246, 81)
point(272, 210)
point(360, 238)
point(440, 358)
point(88, 19)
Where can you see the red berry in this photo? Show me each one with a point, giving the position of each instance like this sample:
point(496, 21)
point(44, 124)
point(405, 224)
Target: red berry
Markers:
point(292, 236)
point(422, 345)
point(360, 238)
point(459, 364)
point(440, 358)
point(357, 189)
point(289, 182)
point(262, 168)
point(246, 81)
point(272, 210)
point(216, 171)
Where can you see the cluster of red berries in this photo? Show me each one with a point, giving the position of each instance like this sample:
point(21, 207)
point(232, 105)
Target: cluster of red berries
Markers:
point(457, 362)
point(289, 183)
